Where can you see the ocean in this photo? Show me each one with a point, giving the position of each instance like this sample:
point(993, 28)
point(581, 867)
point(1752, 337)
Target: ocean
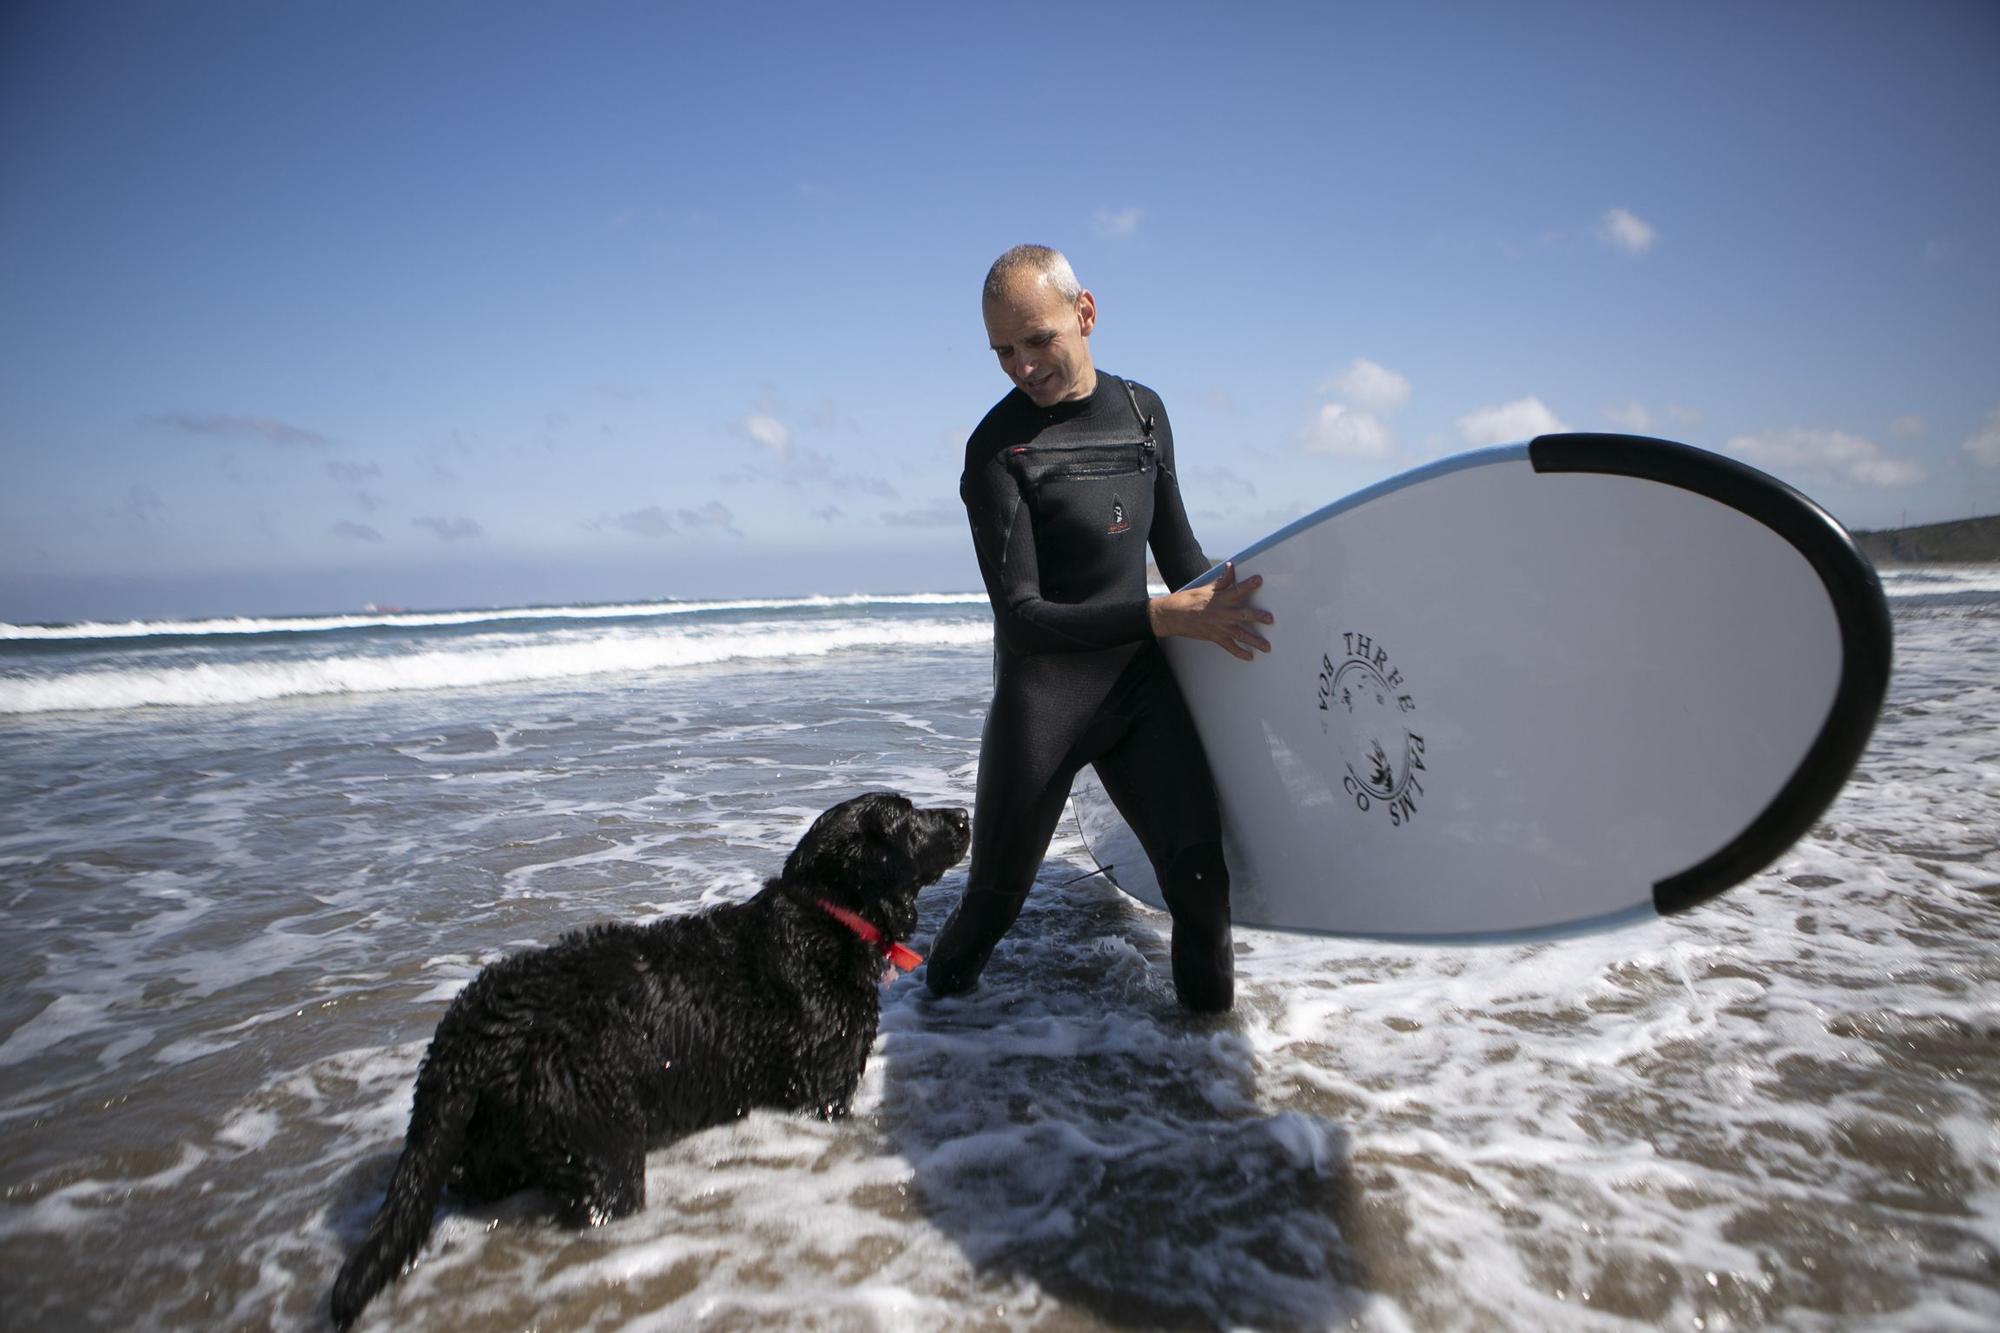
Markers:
point(246, 864)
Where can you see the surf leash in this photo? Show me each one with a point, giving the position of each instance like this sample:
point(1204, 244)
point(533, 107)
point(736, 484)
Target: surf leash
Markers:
point(900, 956)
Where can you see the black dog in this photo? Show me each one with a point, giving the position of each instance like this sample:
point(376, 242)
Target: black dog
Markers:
point(559, 1067)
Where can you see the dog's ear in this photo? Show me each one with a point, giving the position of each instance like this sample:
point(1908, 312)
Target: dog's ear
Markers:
point(864, 840)
point(887, 820)
point(885, 833)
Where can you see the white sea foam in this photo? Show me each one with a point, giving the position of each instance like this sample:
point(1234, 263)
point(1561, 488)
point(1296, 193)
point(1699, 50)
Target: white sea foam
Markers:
point(65, 1017)
point(1777, 1110)
point(239, 625)
point(467, 666)
point(1932, 580)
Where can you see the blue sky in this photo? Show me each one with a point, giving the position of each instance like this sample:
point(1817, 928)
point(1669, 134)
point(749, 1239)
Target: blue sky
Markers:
point(308, 305)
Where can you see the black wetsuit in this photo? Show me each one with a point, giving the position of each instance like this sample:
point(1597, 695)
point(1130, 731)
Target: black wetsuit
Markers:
point(1063, 503)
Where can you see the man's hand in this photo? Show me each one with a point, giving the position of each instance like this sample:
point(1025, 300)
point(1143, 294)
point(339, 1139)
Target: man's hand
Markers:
point(1218, 611)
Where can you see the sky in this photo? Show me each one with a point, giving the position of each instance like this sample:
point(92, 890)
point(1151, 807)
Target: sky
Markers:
point(309, 305)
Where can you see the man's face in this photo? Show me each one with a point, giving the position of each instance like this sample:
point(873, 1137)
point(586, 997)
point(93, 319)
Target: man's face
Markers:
point(1042, 340)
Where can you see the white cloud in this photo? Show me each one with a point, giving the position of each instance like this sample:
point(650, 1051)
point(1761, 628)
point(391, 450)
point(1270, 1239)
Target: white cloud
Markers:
point(1685, 416)
point(1832, 454)
point(1522, 419)
point(1370, 386)
point(805, 469)
point(449, 529)
point(714, 514)
point(1342, 432)
point(242, 428)
point(815, 471)
point(655, 521)
point(652, 521)
point(352, 472)
point(768, 431)
point(1627, 231)
point(1908, 426)
point(1985, 446)
point(142, 502)
point(939, 515)
point(1118, 225)
point(1631, 417)
point(1218, 483)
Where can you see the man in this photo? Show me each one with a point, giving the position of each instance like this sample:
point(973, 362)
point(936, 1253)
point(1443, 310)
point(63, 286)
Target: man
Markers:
point(1066, 481)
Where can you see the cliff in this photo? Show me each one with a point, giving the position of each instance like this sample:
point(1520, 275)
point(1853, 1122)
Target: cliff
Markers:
point(1970, 541)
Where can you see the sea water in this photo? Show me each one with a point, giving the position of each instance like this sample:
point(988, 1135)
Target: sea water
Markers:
point(244, 866)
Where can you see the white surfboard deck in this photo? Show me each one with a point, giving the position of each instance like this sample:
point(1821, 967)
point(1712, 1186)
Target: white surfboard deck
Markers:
point(1528, 690)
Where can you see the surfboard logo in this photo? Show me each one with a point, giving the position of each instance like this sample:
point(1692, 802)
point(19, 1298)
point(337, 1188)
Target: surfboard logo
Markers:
point(1366, 709)
point(1118, 521)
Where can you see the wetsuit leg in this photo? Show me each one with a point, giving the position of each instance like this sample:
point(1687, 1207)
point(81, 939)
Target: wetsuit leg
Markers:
point(1204, 953)
point(1025, 771)
point(1156, 773)
point(1145, 748)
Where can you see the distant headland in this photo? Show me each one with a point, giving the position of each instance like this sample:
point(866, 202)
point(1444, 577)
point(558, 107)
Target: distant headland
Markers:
point(1969, 541)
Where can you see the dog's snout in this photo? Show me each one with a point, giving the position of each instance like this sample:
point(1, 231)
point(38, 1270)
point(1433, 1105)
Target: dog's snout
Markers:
point(951, 825)
point(953, 816)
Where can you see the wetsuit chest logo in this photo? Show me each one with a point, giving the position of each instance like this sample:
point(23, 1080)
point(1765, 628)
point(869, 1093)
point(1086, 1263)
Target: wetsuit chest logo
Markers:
point(1118, 521)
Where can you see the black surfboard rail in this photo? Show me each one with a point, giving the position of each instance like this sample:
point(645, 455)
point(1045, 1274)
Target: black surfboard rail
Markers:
point(1866, 637)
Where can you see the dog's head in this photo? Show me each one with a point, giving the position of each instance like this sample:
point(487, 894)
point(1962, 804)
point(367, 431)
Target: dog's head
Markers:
point(873, 853)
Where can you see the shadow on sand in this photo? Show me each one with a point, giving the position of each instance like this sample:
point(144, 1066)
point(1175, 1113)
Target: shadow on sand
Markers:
point(1068, 1126)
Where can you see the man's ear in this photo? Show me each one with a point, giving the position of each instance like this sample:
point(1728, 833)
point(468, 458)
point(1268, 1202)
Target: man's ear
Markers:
point(1086, 312)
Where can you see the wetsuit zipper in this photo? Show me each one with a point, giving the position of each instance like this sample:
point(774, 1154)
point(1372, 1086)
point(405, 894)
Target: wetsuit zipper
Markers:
point(1084, 461)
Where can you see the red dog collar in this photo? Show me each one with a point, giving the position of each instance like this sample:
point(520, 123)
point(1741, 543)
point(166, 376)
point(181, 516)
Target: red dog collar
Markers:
point(899, 956)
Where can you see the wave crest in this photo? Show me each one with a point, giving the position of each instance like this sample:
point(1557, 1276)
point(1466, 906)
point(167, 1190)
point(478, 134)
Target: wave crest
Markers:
point(239, 625)
point(208, 683)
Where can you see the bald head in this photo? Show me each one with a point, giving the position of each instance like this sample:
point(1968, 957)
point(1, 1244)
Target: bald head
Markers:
point(1027, 263)
point(1038, 321)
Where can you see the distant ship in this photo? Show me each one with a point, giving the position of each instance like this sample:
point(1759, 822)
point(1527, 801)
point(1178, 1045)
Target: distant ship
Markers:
point(381, 609)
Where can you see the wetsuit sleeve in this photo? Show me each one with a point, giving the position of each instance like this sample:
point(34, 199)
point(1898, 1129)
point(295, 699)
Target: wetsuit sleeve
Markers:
point(1175, 550)
point(1003, 536)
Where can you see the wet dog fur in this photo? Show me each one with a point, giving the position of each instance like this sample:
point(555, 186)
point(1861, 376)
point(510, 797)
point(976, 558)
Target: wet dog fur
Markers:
point(559, 1067)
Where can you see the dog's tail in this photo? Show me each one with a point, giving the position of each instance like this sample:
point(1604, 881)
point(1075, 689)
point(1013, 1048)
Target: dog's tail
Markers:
point(445, 1101)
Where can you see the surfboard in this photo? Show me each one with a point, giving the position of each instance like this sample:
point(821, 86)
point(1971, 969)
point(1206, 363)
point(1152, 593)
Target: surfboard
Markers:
point(1545, 687)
